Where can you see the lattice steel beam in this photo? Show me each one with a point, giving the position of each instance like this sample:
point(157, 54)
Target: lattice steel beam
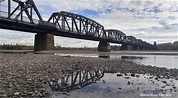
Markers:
point(78, 24)
point(25, 7)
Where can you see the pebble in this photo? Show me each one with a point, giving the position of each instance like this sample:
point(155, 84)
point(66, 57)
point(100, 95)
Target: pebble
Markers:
point(164, 82)
point(156, 78)
point(174, 87)
point(132, 74)
point(16, 93)
point(126, 77)
point(163, 86)
point(103, 81)
point(137, 76)
point(128, 82)
point(119, 75)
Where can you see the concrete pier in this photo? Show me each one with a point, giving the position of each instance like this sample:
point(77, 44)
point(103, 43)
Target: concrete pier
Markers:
point(104, 46)
point(43, 41)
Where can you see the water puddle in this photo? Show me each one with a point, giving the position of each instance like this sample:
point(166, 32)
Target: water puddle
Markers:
point(100, 84)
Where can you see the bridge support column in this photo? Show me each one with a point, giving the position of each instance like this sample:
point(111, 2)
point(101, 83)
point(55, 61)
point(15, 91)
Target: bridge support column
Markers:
point(124, 47)
point(104, 46)
point(43, 41)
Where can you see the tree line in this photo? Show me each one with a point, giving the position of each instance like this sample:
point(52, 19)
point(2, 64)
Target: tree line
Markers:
point(164, 46)
point(168, 46)
point(27, 47)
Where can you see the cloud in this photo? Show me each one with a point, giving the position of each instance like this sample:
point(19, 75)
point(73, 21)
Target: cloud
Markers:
point(16, 37)
point(71, 42)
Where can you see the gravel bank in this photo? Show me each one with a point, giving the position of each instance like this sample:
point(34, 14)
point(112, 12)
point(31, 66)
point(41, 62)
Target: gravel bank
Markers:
point(25, 74)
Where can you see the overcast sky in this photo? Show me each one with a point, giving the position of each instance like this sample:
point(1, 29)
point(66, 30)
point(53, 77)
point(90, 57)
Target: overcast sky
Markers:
point(149, 20)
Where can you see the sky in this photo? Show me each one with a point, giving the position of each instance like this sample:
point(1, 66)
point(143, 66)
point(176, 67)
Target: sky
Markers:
point(149, 20)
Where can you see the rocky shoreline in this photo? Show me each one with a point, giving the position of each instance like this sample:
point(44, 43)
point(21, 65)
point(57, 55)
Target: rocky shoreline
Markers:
point(27, 74)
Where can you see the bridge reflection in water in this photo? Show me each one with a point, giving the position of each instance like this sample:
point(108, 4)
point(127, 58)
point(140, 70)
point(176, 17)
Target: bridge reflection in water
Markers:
point(76, 80)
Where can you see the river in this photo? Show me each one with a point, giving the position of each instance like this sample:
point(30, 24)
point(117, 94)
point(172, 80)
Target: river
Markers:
point(159, 59)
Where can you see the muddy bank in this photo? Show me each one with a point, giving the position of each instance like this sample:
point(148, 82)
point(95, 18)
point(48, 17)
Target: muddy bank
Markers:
point(27, 74)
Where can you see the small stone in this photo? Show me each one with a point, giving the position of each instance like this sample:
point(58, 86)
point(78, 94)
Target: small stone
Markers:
point(103, 81)
point(16, 93)
point(126, 74)
point(174, 87)
point(126, 77)
point(137, 76)
point(132, 74)
point(156, 78)
point(128, 82)
point(23, 95)
point(119, 88)
point(164, 82)
point(163, 86)
point(118, 75)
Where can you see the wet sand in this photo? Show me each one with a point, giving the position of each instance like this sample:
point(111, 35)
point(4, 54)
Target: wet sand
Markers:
point(27, 74)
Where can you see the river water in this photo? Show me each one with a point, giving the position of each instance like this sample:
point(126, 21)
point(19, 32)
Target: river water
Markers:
point(168, 61)
point(119, 85)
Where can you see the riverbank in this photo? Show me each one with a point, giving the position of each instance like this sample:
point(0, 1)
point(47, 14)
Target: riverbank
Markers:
point(27, 74)
point(91, 51)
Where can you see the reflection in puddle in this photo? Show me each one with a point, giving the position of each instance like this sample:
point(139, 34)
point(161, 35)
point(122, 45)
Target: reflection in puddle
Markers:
point(76, 80)
point(97, 84)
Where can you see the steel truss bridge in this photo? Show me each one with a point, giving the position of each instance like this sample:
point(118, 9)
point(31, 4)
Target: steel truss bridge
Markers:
point(26, 17)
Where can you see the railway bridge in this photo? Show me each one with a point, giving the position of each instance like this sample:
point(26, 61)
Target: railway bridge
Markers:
point(26, 17)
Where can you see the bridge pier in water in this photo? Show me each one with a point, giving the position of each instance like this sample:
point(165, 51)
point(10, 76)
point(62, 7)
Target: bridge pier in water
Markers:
point(104, 46)
point(43, 41)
